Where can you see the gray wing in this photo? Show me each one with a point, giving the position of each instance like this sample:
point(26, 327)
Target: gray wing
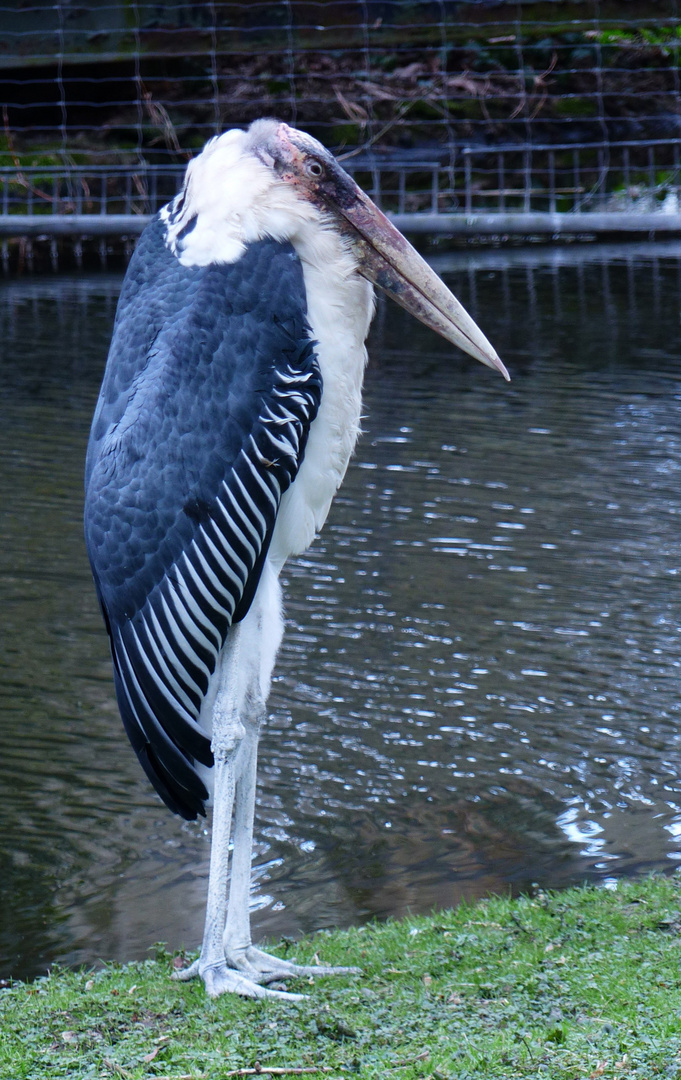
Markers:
point(209, 391)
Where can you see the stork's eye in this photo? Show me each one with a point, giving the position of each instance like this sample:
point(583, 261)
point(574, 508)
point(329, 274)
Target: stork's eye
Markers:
point(314, 168)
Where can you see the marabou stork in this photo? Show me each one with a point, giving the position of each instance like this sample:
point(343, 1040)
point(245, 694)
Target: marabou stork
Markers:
point(228, 413)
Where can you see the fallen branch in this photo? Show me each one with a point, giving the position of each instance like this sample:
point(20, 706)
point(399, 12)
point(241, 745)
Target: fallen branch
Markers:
point(264, 1070)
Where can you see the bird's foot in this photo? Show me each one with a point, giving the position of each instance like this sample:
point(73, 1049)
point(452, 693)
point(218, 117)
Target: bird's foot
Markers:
point(221, 979)
point(247, 971)
point(263, 968)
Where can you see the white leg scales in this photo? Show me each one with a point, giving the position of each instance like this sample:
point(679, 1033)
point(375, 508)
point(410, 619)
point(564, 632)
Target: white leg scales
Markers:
point(238, 966)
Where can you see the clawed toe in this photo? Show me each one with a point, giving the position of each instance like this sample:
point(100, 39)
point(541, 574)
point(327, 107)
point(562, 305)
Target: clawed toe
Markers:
point(304, 971)
point(263, 968)
point(185, 974)
point(224, 980)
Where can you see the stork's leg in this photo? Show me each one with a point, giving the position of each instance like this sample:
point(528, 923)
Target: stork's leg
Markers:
point(227, 739)
point(237, 939)
point(262, 633)
point(239, 952)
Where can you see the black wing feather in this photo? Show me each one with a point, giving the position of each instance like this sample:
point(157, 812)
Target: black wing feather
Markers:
point(209, 392)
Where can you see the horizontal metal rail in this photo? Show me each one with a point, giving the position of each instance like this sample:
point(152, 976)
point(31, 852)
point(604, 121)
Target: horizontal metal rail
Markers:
point(539, 223)
point(565, 178)
point(492, 224)
point(49, 225)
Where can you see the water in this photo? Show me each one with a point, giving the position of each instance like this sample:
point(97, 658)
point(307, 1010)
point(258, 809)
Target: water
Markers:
point(479, 687)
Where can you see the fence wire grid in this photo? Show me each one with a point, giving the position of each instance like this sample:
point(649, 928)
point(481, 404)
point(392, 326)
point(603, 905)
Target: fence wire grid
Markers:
point(436, 107)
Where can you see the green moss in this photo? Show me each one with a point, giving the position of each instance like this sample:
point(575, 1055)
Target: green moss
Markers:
point(574, 107)
point(347, 135)
point(24, 159)
point(469, 109)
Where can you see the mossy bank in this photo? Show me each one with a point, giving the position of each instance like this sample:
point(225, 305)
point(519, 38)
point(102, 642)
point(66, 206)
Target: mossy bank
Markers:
point(583, 983)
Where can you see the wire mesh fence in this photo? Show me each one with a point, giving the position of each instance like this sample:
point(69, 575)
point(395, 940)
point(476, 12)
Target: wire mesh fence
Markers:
point(473, 106)
point(536, 178)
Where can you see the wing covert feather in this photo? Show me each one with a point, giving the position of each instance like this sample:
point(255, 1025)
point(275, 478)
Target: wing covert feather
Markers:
point(210, 388)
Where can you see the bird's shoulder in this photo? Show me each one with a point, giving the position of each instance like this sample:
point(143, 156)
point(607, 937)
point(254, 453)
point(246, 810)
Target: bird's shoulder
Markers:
point(202, 362)
point(174, 320)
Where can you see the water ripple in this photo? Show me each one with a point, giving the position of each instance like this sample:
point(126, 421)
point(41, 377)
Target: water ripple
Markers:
point(478, 688)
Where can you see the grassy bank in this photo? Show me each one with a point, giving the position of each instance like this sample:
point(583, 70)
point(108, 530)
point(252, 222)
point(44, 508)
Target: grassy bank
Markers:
point(579, 984)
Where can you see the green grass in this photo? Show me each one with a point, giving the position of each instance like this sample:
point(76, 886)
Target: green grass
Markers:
point(580, 984)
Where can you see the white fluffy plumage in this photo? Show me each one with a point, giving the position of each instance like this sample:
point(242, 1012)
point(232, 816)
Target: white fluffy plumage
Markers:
point(235, 200)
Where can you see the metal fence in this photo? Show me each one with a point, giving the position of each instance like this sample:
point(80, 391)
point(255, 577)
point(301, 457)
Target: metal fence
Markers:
point(466, 108)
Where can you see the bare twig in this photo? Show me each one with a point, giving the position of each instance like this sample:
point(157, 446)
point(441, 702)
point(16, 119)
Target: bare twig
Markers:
point(541, 84)
point(20, 178)
point(86, 191)
point(352, 110)
point(159, 115)
point(264, 1070)
point(525, 1040)
point(142, 191)
point(379, 135)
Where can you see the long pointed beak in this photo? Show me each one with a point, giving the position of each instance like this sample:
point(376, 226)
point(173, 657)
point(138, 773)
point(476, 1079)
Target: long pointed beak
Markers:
point(389, 260)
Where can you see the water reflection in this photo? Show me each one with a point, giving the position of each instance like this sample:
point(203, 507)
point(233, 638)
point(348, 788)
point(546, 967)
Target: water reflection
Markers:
point(479, 684)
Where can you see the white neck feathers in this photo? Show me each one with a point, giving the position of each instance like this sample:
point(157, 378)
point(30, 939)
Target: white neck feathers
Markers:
point(230, 199)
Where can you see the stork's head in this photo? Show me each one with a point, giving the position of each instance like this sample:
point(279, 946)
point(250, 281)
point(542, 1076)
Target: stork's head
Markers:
point(286, 163)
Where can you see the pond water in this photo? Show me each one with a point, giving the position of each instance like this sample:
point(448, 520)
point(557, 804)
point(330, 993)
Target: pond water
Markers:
point(480, 684)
